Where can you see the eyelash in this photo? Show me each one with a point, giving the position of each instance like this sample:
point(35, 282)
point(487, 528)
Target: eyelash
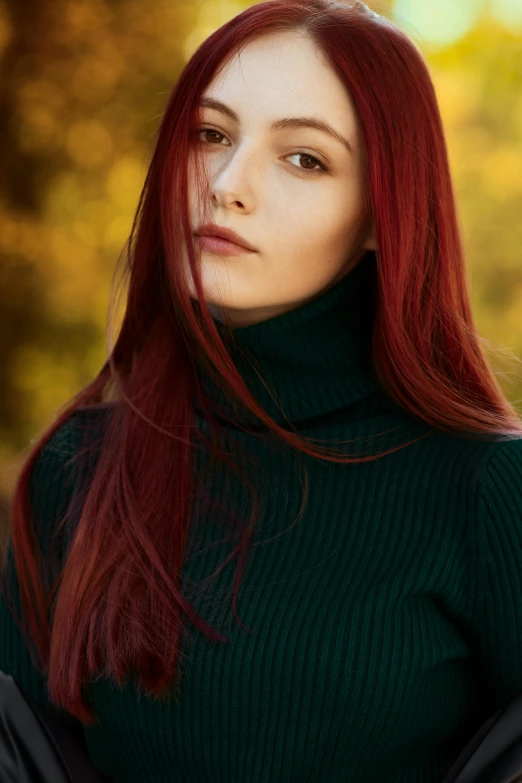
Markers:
point(322, 170)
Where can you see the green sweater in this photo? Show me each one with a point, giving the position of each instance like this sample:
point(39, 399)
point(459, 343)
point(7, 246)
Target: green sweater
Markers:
point(387, 622)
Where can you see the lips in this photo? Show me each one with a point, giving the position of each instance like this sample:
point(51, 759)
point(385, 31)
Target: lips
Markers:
point(220, 232)
point(222, 247)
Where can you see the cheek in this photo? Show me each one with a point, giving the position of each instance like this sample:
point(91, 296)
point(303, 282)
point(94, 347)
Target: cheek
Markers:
point(321, 231)
point(318, 245)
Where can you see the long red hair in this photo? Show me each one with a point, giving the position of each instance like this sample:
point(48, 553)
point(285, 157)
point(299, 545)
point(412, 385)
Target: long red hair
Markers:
point(118, 606)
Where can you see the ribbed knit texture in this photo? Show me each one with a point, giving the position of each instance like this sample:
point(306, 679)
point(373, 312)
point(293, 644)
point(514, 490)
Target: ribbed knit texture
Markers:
point(386, 622)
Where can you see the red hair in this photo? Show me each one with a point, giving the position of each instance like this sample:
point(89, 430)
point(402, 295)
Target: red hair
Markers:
point(118, 607)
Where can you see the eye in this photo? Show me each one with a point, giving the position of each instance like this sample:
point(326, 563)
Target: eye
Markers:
point(208, 130)
point(322, 168)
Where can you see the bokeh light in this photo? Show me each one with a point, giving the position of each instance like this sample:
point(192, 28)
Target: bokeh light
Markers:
point(509, 12)
point(438, 22)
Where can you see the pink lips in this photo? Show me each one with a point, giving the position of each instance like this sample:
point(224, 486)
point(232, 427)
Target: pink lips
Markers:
point(222, 247)
point(222, 232)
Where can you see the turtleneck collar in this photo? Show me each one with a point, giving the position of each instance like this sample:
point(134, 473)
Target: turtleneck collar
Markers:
point(315, 359)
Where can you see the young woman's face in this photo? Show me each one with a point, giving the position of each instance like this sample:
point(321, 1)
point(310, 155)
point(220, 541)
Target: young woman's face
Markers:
point(294, 193)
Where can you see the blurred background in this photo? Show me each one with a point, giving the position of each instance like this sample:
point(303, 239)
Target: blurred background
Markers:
point(82, 90)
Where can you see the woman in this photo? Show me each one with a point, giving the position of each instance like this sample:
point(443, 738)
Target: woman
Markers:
point(376, 615)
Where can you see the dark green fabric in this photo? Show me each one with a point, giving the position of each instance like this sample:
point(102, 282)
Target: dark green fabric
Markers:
point(386, 623)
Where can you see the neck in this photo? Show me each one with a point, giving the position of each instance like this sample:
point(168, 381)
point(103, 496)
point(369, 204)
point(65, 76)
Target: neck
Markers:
point(315, 359)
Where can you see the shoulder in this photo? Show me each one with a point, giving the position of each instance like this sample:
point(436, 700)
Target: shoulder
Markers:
point(53, 467)
point(500, 482)
point(58, 465)
point(84, 425)
point(481, 463)
point(505, 455)
point(58, 452)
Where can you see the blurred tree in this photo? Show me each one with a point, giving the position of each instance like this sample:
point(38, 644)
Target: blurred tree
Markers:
point(478, 81)
point(84, 82)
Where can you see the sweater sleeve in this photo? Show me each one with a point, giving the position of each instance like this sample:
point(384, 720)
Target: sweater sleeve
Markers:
point(51, 489)
point(497, 574)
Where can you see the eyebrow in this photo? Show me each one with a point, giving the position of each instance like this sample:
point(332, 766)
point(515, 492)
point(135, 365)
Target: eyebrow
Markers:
point(283, 122)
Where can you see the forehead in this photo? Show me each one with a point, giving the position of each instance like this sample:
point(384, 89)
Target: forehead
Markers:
point(284, 73)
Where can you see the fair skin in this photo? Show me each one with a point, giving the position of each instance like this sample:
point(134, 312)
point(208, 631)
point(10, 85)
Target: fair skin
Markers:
point(309, 229)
